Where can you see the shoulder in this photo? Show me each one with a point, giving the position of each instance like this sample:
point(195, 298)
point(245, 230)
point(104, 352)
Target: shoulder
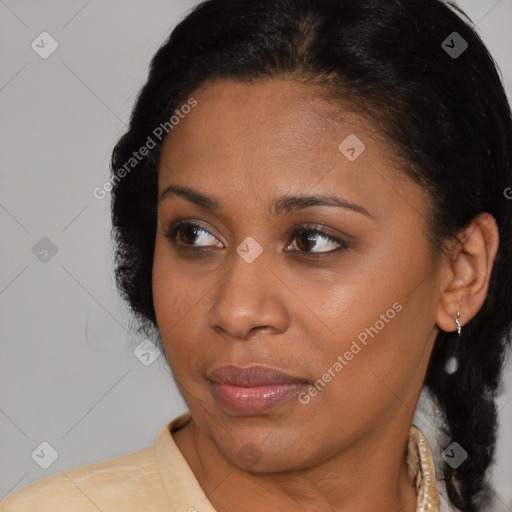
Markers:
point(52, 493)
point(104, 485)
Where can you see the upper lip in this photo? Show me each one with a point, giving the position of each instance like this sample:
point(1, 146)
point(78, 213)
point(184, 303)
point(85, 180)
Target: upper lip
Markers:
point(253, 375)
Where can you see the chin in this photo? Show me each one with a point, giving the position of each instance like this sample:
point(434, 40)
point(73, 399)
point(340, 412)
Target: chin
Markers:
point(252, 459)
point(264, 450)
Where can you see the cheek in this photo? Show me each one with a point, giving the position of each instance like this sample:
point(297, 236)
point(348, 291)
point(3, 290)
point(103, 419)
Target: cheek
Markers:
point(369, 363)
point(171, 298)
point(174, 293)
point(379, 339)
point(364, 378)
point(180, 313)
point(164, 288)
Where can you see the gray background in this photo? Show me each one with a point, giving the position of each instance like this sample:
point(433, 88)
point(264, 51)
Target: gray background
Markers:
point(68, 372)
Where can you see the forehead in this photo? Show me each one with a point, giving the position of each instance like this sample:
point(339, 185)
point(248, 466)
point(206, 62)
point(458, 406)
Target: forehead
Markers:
point(282, 112)
point(278, 123)
point(247, 143)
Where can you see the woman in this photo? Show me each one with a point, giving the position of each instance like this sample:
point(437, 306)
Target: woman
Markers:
point(310, 210)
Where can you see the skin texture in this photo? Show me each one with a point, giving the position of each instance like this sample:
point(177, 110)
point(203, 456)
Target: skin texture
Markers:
point(246, 144)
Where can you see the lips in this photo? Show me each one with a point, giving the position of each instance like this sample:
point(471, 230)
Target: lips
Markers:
point(255, 375)
point(252, 390)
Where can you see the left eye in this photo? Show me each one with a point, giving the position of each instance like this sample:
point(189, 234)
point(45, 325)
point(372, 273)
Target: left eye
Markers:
point(305, 238)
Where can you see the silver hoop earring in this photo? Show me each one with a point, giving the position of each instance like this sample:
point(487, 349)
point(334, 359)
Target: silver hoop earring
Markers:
point(452, 364)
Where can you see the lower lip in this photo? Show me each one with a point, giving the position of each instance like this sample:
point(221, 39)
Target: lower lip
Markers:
point(255, 399)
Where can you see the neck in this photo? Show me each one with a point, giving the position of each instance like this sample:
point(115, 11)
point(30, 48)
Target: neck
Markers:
point(369, 475)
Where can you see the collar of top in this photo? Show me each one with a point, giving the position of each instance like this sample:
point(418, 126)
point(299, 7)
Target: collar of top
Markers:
point(421, 471)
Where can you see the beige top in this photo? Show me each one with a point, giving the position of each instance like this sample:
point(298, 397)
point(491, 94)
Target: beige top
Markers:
point(158, 479)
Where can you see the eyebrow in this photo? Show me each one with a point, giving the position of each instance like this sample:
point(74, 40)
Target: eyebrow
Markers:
point(281, 205)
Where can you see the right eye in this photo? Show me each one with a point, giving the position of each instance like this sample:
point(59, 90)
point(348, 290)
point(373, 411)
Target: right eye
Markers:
point(183, 233)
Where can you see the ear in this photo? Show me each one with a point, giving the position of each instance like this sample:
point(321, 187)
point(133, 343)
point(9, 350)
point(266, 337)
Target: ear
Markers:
point(466, 272)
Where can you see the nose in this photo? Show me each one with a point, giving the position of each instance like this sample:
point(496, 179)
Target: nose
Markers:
point(250, 297)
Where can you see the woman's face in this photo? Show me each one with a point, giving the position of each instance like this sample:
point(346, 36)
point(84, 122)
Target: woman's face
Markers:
point(289, 348)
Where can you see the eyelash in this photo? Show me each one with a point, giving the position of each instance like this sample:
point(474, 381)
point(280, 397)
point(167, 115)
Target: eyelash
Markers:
point(176, 227)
